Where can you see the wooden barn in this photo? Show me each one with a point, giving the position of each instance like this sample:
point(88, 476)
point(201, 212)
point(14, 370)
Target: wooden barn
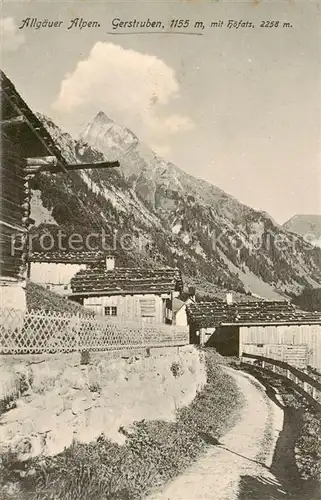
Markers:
point(128, 293)
point(26, 150)
point(273, 329)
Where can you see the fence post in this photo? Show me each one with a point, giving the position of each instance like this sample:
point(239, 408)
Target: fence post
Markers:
point(305, 385)
point(143, 339)
point(314, 392)
point(77, 330)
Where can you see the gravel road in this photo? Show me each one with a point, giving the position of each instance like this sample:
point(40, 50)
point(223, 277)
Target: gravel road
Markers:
point(236, 467)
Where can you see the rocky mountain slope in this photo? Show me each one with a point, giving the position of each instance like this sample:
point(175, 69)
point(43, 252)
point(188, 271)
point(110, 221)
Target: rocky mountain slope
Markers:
point(173, 218)
point(308, 226)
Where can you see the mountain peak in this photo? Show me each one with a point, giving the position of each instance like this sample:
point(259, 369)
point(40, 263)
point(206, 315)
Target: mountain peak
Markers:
point(314, 217)
point(105, 135)
point(306, 225)
point(101, 117)
point(219, 242)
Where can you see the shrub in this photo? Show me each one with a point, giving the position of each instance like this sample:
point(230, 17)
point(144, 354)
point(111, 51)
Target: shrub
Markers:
point(94, 387)
point(7, 403)
point(84, 358)
point(176, 369)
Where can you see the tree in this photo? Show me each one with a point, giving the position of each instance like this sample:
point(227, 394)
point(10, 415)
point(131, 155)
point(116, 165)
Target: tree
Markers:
point(309, 300)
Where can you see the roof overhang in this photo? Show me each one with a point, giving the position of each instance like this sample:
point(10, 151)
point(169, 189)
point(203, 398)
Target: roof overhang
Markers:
point(115, 292)
point(18, 120)
point(275, 323)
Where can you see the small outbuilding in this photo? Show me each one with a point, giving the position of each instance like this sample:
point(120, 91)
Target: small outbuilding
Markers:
point(274, 329)
point(128, 293)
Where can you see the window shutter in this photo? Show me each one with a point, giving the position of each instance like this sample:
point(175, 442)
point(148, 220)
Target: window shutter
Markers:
point(147, 308)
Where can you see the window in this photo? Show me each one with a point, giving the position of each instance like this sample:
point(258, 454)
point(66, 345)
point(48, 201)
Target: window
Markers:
point(111, 311)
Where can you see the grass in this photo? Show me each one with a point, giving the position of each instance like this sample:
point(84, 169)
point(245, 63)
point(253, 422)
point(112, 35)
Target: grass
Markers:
point(154, 452)
point(40, 298)
point(20, 383)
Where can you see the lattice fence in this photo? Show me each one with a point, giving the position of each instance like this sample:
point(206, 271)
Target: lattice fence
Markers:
point(36, 332)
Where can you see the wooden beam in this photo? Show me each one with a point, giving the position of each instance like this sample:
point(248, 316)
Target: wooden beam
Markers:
point(84, 166)
point(50, 161)
point(16, 120)
point(41, 164)
point(47, 167)
point(11, 226)
point(33, 129)
point(34, 169)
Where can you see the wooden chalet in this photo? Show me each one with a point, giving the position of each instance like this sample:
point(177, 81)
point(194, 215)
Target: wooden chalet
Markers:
point(267, 328)
point(54, 269)
point(128, 293)
point(26, 150)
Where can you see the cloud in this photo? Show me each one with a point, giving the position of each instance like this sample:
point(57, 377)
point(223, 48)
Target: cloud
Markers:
point(132, 88)
point(11, 38)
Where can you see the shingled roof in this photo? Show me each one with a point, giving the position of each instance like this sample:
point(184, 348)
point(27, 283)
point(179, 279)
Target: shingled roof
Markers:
point(121, 281)
point(219, 313)
point(57, 257)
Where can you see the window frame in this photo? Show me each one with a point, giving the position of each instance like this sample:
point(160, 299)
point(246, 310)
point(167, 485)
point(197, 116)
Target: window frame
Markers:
point(110, 311)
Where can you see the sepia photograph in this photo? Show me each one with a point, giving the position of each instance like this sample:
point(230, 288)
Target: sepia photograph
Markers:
point(160, 256)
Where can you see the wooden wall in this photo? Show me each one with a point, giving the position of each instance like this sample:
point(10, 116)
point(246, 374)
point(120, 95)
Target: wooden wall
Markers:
point(181, 317)
point(131, 307)
point(53, 273)
point(259, 337)
point(13, 209)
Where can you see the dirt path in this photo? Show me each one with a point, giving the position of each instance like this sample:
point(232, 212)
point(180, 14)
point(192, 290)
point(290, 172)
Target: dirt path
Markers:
point(237, 467)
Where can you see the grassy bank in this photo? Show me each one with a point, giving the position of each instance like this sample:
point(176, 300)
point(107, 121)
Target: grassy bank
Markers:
point(38, 298)
point(154, 452)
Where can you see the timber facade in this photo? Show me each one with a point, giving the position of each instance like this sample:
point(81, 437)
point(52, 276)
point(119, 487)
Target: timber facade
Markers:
point(27, 149)
point(140, 294)
point(267, 328)
point(23, 138)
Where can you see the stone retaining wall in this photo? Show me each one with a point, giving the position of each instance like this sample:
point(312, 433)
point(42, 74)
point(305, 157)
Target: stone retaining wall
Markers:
point(56, 399)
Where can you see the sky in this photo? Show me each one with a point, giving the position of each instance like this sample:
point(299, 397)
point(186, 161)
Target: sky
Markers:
point(240, 108)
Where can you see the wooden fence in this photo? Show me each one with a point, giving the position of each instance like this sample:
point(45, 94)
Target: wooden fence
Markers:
point(37, 332)
point(294, 355)
point(305, 384)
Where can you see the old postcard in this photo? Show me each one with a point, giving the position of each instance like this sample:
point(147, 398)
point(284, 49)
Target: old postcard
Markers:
point(160, 225)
